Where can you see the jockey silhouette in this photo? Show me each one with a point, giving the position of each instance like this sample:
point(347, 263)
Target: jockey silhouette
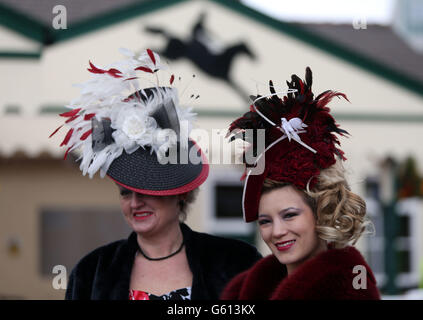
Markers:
point(204, 52)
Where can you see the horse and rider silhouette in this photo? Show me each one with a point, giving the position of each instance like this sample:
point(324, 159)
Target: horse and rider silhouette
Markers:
point(198, 48)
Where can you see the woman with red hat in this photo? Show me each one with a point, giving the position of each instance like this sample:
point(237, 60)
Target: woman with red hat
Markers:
point(141, 142)
point(306, 212)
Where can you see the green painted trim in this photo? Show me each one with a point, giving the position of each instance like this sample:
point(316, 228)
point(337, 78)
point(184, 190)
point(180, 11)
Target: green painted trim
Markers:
point(19, 55)
point(12, 109)
point(339, 116)
point(227, 114)
point(331, 47)
point(45, 35)
point(108, 19)
point(53, 109)
point(22, 24)
point(374, 117)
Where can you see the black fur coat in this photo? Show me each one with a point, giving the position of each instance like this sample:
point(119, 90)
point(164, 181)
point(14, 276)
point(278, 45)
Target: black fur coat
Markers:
point(105, 272)
point(329, 275)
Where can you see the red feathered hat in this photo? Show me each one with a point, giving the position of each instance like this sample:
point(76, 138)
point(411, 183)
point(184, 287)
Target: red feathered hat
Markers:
point(300, 139)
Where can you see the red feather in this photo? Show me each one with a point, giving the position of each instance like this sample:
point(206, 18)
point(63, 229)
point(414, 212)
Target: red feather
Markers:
point(302, 87)
point(145, 69)
point(114, 73)
point(55, 131)
point(131, 78)
point(71, 119)
point(66, 153)
point(70, 113)
point(88, 116)
point(172, 78)
point(67, 138)
point(325, 98)
point(244, 175)
point(94, 69)
point(151, 54)
point(86, 134)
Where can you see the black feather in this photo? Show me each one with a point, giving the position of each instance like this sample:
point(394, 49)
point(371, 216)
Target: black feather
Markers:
point(309, 78)
point(271, 87)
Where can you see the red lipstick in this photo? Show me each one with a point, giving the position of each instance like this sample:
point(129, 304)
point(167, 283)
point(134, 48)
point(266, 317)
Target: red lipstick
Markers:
point(141, 215)
point(285, 245)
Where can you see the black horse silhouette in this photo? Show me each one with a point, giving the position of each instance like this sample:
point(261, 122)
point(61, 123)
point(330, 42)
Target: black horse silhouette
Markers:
point(198, 49)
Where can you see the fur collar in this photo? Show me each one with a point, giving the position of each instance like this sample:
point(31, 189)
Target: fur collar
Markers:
point(329, 275)
point(104, 274)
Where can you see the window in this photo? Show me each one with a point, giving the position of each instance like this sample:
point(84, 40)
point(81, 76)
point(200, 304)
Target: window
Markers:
point(375, 253)
point(408, 241)
point(228, 200)
point(68, 234)
point(223, 206)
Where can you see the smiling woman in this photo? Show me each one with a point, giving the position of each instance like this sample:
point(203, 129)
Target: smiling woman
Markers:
point(287, 225)
point(147, 213)
point(132, 138)
point(306, 212)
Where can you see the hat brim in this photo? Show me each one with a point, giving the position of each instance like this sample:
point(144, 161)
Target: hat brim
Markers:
point(141, 172)
point(251, 195)
point(254, 180)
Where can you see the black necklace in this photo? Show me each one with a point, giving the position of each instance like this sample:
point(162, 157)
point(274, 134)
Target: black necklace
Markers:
point(162, 258)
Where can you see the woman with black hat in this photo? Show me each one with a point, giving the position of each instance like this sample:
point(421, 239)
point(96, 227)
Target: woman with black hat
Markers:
point(141, 141)
point(306, 212)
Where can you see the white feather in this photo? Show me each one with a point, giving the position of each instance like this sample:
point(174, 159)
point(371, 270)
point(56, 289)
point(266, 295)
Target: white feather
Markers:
point(104, 95)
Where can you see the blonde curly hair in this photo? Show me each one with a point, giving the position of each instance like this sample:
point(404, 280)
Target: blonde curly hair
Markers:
point(340, 214)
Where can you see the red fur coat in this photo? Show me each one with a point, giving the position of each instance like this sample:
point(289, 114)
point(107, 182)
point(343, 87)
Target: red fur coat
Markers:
point(328, 275)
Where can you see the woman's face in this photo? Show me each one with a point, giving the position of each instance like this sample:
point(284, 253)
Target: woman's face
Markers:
point(148, 214)
point(287, 225)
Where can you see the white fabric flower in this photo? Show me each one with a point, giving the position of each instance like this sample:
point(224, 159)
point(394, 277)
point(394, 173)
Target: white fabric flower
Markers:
point(134, 127)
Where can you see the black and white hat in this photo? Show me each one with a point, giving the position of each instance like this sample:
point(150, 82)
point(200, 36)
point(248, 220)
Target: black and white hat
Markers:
point(140, 140)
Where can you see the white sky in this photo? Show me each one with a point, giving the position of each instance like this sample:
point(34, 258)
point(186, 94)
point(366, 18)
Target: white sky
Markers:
point(332, 11)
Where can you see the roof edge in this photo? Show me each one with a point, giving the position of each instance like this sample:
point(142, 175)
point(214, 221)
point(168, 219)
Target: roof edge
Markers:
point(367, 64)
point(22, 24)
point(45, 35)
point(110, 18)
point(37, 31)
